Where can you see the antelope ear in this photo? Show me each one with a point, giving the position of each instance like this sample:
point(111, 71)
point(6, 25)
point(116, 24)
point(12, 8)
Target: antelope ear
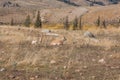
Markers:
point(65, 38)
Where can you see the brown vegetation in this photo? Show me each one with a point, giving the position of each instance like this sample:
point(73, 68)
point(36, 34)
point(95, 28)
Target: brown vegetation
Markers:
point(86, 46)
point(79, 57)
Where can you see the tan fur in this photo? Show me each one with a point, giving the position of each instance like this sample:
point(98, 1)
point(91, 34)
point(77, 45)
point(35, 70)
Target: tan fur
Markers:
point(58, 41)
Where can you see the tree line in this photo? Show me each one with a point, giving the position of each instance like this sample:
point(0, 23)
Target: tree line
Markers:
point(28, 22)
point(76, 24)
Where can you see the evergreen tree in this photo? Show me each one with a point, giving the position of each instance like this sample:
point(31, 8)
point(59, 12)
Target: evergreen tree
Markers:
point(98, 21)
point(38, 22)
point(66, 23)
point(119, 22)
point(12, 22)
point(75, 23)
point(104, 24)
point(27, 21)
point(80, 22)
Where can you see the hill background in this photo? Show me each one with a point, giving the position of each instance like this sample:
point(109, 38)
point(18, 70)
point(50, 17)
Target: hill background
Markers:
point(56, 10)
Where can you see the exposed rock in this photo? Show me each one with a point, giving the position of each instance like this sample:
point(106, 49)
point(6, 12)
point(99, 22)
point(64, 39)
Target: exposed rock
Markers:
point(10, 4)
point(12, 76)
point(93, 60)
point(32, 78)
point(101, 61)
point(89, 34)
point(85, 67)
point(115, 67)
point(65, 67)
point(52, 34)
point(46, 31)
point(52, 62)
point(2, 69)
point(93, 77)
point(77, 70)
point(2, 52)
point(36, 76)
point(17, 78)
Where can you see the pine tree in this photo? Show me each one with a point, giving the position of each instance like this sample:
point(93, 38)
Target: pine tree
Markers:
point(12, 22)
point(27, 21)
point(75, 23)
point(98, 21)
point(80, 22)
point(104, 24)
point(38, 22)
point(66, 23)
point(119, 22)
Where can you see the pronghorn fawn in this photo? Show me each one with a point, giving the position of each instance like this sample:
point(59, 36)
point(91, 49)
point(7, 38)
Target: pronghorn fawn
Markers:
point(38, 40)
point(58, 41)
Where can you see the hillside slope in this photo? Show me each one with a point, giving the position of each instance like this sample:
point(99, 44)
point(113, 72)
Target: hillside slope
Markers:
point(38, 4)
point(55, 10)
point(57, 3)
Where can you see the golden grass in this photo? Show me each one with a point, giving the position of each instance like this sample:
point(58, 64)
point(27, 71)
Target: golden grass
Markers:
point(70, 60)
point(73, 37)
point(53, 26)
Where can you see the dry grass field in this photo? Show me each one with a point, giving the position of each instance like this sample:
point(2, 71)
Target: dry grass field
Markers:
point(79, 58)
point(27, 53)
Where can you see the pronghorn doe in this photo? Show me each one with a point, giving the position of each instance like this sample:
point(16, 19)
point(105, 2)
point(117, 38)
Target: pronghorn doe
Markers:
point(45, 39)
point(58, 41)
